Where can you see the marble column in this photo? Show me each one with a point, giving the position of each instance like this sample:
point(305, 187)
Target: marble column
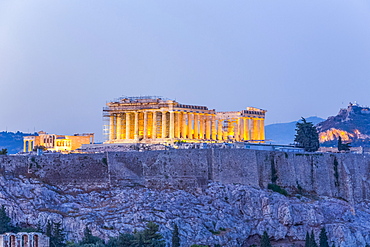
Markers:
point(237, 130)
point(241, 126)
point(246, 129)
point(190, 125)
point(154, 131)
point(255, 129)
point(178, 122)
point(164, 123)
point(214, 128)
point(119, 126)
point(262, 129)
point(136, 128)
point(145, 126)
point(225, 131)
point(111, 127)
point(219, 130)
point(172, 124)
point(184, 129)
point(128, 129)
point(201, 126)
point(196, 126)
point(208, 127)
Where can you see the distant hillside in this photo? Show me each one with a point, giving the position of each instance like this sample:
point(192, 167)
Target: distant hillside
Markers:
point(283, 133)
point(351, 124)
point(12, 141)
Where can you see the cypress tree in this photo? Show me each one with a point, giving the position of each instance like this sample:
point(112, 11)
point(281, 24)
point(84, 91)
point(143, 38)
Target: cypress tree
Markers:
point(341, 146)
point(88, 238)
point(175, 237)
point(5, 225)
point(307, 136)
point(265, 241)
point(323, 238)
point(312, 240)
point(57, 236)
point(339, 143)
point(49, 229)
point(307, 243)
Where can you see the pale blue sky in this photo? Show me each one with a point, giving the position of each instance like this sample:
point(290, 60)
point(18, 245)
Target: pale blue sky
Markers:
point(61, 61)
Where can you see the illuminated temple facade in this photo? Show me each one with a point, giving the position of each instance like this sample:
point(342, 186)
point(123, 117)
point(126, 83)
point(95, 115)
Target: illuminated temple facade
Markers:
point(57, 143)
point(154, 119)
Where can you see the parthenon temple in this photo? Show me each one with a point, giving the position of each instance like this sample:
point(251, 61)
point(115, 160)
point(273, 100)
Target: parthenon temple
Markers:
point(152, 119)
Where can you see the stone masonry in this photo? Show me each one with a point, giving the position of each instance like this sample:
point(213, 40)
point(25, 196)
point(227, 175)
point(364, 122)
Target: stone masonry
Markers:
point(344, 176)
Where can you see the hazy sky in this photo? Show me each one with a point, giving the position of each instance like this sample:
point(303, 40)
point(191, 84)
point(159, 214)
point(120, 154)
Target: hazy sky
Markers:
point(61, 61)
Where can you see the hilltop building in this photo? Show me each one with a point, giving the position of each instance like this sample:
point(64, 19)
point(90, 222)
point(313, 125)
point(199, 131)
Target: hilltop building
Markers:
point(58, 143)
point(152, 119)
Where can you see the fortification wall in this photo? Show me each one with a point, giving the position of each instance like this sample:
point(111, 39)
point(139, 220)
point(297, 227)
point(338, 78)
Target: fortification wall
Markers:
point(337, 175)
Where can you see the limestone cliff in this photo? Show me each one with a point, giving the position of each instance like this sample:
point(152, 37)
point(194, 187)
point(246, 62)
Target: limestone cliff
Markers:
point(216, 196)
point(229, 215)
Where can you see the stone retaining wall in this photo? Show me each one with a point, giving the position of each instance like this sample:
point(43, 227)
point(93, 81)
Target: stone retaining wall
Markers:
point(337, 175)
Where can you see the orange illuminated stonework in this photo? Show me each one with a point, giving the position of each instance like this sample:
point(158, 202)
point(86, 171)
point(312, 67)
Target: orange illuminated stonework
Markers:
point(58, 143)
point(154, 119)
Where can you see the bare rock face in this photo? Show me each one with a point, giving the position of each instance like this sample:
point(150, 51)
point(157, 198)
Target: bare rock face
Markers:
point(351, 124)
point(229, 215)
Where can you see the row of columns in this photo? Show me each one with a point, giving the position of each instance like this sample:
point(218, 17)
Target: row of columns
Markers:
point(28, 145)
point(185, 125)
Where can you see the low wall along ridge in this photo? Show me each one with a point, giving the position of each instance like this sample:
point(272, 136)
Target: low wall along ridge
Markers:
point(343, 176)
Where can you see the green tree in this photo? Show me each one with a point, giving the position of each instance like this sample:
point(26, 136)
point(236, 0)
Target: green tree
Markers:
point(175, 237)
point(265, 241)
point(56, 234)
point(151, 237)
point(5, 220)
point(307, 136)
point(308, 240)
point(123, 240)
point(139, 240)
point(323, 238)
point(88, 238)
point(4, 151)
point(49, 229)
point(342, 146)
point(312, 240)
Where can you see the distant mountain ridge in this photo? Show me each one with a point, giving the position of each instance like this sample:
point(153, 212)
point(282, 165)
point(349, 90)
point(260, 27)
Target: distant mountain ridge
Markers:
point(283, 133)
point(12, 141)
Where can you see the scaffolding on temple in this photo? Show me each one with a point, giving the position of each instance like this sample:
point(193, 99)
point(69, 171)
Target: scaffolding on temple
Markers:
point(155, 119)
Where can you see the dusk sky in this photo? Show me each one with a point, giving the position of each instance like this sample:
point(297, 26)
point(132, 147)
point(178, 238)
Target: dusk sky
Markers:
point(61, 61)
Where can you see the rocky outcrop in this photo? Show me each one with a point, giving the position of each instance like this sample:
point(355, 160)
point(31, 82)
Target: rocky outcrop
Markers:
point(225, 214)
point(351, 124)
point(215, 196)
